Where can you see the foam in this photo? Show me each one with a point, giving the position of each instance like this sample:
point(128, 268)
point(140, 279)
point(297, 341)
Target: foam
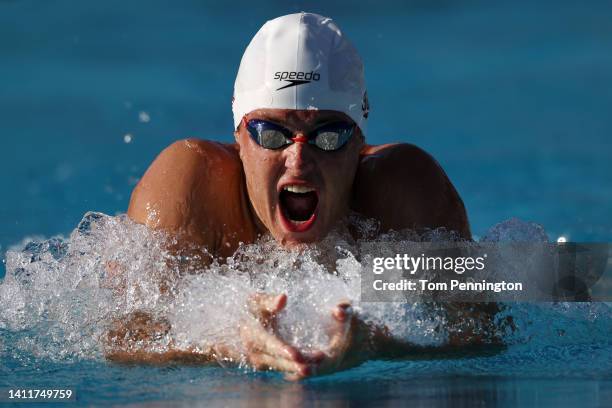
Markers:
point(58, 299)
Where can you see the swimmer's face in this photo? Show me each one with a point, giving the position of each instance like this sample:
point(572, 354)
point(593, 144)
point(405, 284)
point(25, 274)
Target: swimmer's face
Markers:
point(299, 192)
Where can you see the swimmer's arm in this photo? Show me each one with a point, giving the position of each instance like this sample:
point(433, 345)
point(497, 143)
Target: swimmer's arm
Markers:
point(161, 358)
point(138, 338)
point(372, 341)
point(379, 343)
point(468, 325)
point(164, 199)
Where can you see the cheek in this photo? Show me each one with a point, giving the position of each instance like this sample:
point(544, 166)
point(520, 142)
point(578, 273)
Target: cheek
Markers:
point(259, 173)
point(339, 175)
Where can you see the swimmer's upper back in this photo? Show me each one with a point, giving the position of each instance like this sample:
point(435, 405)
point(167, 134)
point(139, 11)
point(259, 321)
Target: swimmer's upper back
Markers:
point(402, 186)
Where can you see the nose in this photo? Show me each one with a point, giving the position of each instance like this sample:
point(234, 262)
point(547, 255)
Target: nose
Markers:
point(299, 155)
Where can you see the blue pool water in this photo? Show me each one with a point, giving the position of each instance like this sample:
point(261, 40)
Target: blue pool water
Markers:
point(512, 98)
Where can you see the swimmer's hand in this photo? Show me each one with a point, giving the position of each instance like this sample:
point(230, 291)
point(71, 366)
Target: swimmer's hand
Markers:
point(264, 348)
point(134, 339)
point(267, 351)
point(352, 341)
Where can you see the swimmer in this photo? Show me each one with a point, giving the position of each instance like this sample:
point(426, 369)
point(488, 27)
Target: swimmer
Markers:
point(299, 165)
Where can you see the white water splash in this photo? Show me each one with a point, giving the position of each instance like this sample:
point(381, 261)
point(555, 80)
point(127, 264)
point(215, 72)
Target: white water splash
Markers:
point(60, 296)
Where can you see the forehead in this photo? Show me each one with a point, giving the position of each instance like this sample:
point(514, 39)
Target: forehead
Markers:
point(299, 118)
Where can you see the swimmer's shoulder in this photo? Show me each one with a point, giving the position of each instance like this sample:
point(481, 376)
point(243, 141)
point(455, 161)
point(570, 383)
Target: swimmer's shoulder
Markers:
point(404, 187)
point(196, 188)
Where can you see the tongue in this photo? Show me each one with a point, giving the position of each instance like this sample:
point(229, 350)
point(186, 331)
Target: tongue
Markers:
point(298, 206)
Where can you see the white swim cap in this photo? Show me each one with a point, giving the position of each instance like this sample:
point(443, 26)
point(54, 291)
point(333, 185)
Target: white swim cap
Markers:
point(301, 61)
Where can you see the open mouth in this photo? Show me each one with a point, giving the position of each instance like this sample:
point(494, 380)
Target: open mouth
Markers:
point(298, 206)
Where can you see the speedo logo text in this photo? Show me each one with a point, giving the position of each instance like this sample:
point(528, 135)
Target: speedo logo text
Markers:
point(296, 78)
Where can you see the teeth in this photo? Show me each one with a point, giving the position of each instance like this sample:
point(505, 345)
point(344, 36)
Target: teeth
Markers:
point(298, 189)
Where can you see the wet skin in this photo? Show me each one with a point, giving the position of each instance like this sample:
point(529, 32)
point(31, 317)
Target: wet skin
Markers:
point(218, 195)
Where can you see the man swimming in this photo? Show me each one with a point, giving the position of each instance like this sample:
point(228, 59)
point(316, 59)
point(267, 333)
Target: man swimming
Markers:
point(298, 166)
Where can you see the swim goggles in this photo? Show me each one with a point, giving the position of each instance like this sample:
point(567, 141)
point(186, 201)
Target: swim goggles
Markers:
point(328, 137)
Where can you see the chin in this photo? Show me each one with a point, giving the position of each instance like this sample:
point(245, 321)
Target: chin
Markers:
point(295, 240)
point(291, 233)
point(288, 238)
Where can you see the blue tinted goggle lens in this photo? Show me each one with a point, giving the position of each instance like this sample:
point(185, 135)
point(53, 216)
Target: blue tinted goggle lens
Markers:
point(328, 137)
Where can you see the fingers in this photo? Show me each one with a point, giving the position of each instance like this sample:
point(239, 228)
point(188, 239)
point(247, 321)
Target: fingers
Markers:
point(342, 311)
point(340, 338)
point(265, 307)
point(262, 361)
point(340, 332)
point(256, 338)
point(262, 302)
point(297, 377)
point(265, 350)
point(314, 357)
point(223, 353)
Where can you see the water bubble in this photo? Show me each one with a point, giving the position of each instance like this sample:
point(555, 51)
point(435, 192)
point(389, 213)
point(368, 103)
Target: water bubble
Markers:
point(515, 230)
point(61, 295)
point(127, 138)
point(144, 117)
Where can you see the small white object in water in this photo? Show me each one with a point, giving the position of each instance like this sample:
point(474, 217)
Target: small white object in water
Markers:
point(127, 138)
point(144, 117)
point(561, 239)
